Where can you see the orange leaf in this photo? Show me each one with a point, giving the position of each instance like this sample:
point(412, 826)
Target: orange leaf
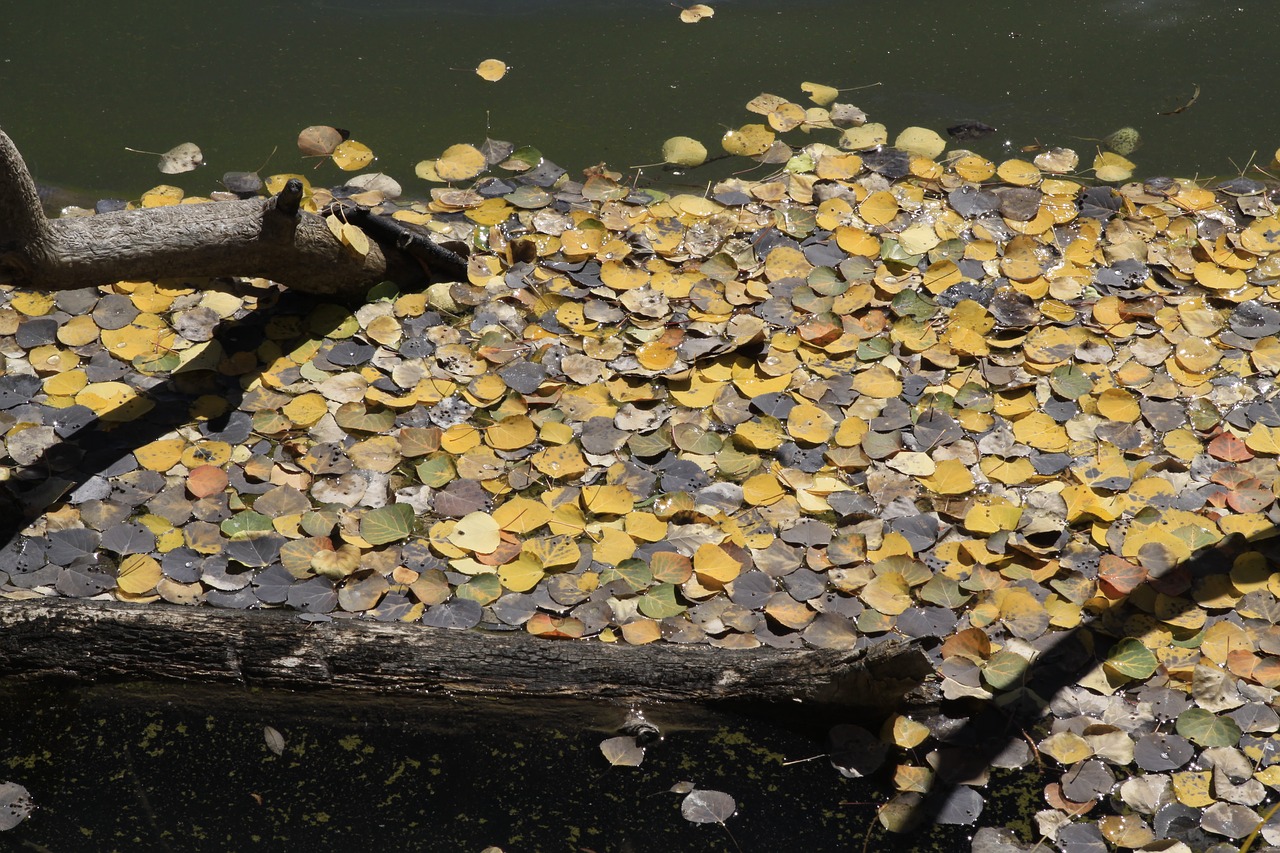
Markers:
point(206, 480)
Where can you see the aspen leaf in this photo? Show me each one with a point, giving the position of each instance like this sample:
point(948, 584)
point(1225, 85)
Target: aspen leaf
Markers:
point(492, 70)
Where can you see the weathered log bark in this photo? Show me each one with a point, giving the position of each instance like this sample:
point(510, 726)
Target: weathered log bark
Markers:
point(266, 238)
point(91, 640)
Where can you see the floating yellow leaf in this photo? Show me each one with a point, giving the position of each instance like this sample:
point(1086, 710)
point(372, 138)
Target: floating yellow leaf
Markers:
point(887, 593)
point(1214, 277)
point(762, 490)
point(138, 574)
point(160, 455)
point(305, 409)
point(521, 515)
point(607, 500)
point(476, 532)
point(684, 151)
point(521, 575)
point(974, 168)
point(460, 163)
point(951, 477)
point(714, 567)
point(696, 13)
point(809, 424)
point(513, 433)
point(1018, 172)
point(879, 208)
point(351, 156)
point(748, 140)
point(113, 401)
point(921, 141)
point(820, 94)
point(492, 70)
point(1111, 167)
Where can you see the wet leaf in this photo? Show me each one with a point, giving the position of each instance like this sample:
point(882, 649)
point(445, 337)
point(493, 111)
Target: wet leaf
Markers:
point(492, 70)
point(683, 151)
point(352, 156)
point(181, 158)
point(15, 805)
point(1204, 728)
point(622, 751)
point(387, 524)
point(274, 740)
point(696, 12)
point(319, 140)
point(701, 806)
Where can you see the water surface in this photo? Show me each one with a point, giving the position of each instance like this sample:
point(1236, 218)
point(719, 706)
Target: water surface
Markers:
point(609, 80)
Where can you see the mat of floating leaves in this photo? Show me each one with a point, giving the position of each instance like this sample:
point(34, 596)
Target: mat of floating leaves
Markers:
point(881, 391)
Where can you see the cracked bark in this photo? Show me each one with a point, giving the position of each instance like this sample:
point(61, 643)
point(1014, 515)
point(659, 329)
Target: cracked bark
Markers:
point(111, 641)
point(268, 238)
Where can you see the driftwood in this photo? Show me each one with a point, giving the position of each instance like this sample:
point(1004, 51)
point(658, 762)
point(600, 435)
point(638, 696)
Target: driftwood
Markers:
point(260, 237)
point(104, 641)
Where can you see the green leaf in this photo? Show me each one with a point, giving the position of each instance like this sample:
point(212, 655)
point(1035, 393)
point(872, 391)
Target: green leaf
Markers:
point(436, 470)
point(482, 589)
point(634, 573)
point(386, 524)
point(1204, 728)
point(245, 525)
point(1070, 382)
point(1131, 659)
point(660, 602)
point(383, 291)
point(157, 362)
point(1004, 670)
point(944, 592)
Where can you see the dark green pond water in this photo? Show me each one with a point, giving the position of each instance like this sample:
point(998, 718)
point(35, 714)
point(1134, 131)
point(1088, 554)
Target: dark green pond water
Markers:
point(163, 768)
point(610, 80)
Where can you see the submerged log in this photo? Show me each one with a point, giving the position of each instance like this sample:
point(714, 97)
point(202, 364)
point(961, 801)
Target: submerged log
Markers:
point(106, 641)
point(260, 237)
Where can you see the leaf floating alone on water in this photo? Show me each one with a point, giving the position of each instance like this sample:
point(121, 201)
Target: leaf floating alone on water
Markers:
point(701, 806)
point(622, 751)
point(492, 70)
point(684, 151)
point(820, 94)
point(15, 805)
point(181, 158)
point(696, 13)
point(320, 140)
point(351, 156)
point(274, 740)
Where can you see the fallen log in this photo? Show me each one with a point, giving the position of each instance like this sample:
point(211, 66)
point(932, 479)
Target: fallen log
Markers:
point(260, 237)
point(113, 641)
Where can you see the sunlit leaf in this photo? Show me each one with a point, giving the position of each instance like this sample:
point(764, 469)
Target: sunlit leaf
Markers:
point(352, 156)
point(320, 140)
point(387, 524)
point(696, 12)
point(683, 151)
point(492, 70)
point(181, 158)
point(460, 163)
